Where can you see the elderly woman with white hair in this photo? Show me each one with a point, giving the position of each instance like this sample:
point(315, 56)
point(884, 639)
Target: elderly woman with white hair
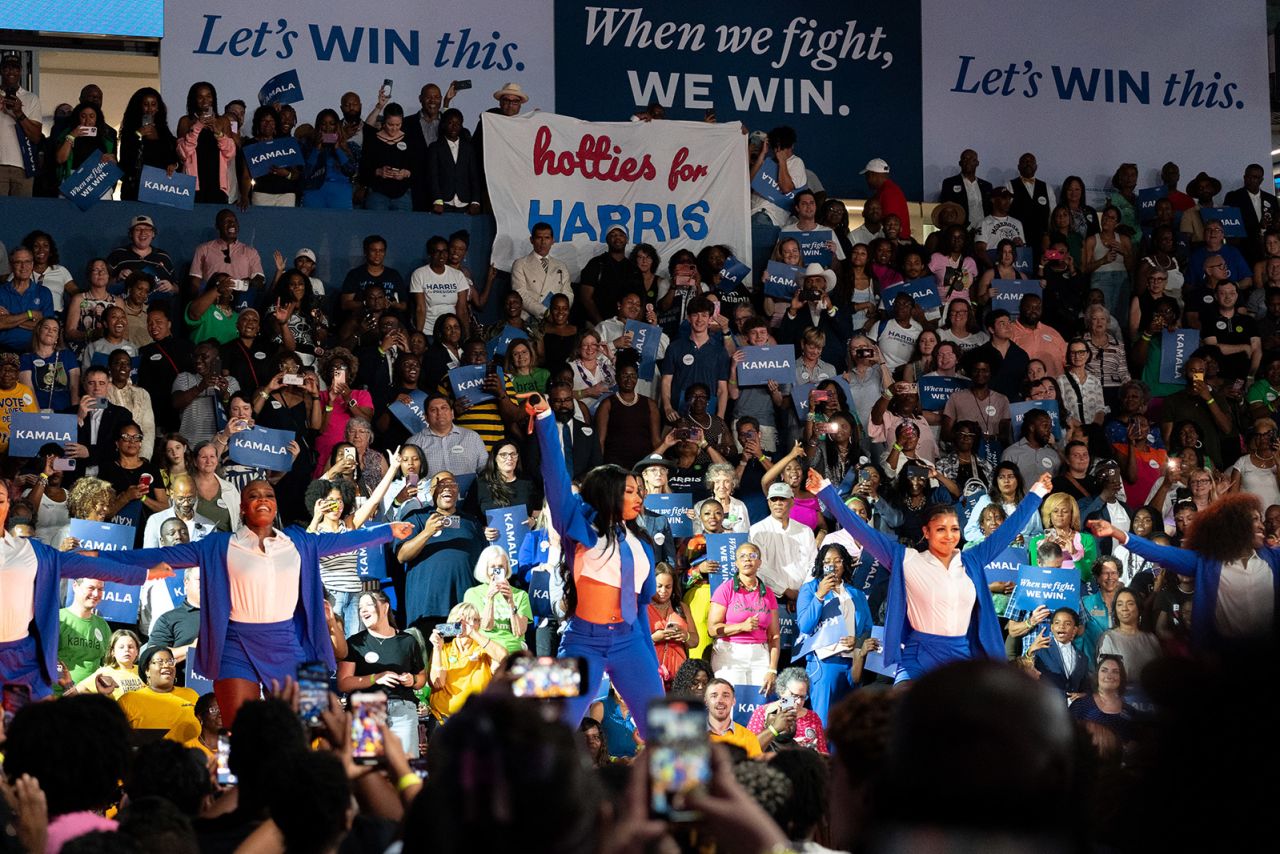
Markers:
point(722, 480)
point(505, 611)
point(1107, 361)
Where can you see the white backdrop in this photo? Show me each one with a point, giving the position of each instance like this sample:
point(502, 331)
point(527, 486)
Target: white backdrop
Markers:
point(704, 206)
point(1160, 38)
point(202, 36)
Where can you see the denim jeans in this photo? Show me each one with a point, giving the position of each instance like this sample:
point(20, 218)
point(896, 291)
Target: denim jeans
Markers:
point(347, 606)
point(378, 202)
point(402, 719)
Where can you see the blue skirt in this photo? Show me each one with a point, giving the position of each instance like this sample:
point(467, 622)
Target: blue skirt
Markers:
point(922, 652)
point(20, 665)
point(260, 652)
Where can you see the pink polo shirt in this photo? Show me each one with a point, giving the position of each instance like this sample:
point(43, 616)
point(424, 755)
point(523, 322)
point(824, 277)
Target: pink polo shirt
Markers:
point(209, 259)
point(740, 604)
point(1043, 343)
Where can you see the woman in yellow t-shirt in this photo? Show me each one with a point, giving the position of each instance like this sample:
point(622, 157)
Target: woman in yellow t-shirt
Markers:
point(120, 666)
point(462, 666)
point(160, 705)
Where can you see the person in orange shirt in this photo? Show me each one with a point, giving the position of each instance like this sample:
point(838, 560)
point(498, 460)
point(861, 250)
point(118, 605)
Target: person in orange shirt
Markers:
point(720, 700)
point(1040, 340)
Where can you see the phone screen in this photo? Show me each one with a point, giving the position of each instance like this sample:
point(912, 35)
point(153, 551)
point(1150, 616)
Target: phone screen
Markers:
point(679, 757)
point(368, 711)
point(313, 692)
point(225, 777)
point(546, 677)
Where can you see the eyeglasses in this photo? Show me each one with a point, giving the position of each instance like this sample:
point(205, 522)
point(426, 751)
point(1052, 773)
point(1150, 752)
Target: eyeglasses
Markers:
point(131, 437)
point(1078, 353)
point(508, 455)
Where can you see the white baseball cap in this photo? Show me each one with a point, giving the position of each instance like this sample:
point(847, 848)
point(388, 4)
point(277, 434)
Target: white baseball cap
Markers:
point(876, 164)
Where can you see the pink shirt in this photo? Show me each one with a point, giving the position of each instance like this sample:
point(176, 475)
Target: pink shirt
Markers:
point(245, 262)
point(940, 599)
point(740, 604)
point(926, 449)
point(336, 430)
point(264, 584)
point(1043, 343)
point(190, 165)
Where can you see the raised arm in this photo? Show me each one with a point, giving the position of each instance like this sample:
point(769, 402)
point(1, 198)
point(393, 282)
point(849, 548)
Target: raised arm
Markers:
point(375, 500)
point(569, 515)
point(347, 541)
point(883, 548)
point(1181, 561)
point(76, 565)
point(178, 556)
point(1001, 538)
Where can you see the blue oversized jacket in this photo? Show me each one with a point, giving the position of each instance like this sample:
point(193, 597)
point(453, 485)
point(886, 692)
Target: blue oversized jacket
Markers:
point(984, 633)
point(210, 554)
point(809, 610)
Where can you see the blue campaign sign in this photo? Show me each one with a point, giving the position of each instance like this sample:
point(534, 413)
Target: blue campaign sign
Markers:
point(675, 506)
point(91, 182)
point(119, 601)
point(497, 346)
point(733, 273)
point(412, 414)
point(465, 480)
point(800, 399)
point(1005, 568)
point(262, 157)
point(1147, 202)
point(1018, 411)
point(130, 514)
point(540, 593)
point(1021, 259)
point(765, 183)
point(263, 448)
point(1050, 586)
point(751, 62)
point(1007, 294)
point(1175, 348)
point(923, 290)
point(746, 699)
point(29, 431)
point(875, 660)
point(723, 549)
point(467, 382)
point(815, 246)
point(830, 630)
point(284, 88)
point(788, 629)
point(781, 280)
point(174, 191)
point(512, 524)
point(372, 563)
point(936, 391)
point(645, 338)
point(1232, 224)
point(773, 362)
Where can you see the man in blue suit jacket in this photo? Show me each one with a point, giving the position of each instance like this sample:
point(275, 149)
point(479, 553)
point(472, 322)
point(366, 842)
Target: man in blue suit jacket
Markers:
point(1059, 654)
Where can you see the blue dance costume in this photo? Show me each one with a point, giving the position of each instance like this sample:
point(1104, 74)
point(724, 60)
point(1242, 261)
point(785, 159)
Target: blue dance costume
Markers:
point(624, 650)
point(33, 660)
point(831, 678)
point(916, 652)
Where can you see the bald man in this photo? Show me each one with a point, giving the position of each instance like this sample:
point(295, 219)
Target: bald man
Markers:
point(160, 597)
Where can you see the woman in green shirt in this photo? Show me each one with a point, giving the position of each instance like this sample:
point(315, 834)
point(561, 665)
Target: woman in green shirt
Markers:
point(523, 375)
point(504, 610)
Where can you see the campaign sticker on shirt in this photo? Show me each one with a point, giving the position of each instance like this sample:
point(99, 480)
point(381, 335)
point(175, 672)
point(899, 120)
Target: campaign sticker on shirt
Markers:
point(1041, 200)
point(956, 188)
point(97, 634)
point(1153, 463)
point(1046, 462)
point(1239, 329)
point(401, 145)
point(259, 355)
point(39, 363)
point(221, 503)
point(217, 315)
point(1222, 324)
point(688, 359)
point(544, 546)
point(277, 404)
point(155, 357)
point(1047, 337)
point(990, 410)
point(659, 538)
point(456, 449)
point(1208, 299)
point(587, 431)
point(371, 657)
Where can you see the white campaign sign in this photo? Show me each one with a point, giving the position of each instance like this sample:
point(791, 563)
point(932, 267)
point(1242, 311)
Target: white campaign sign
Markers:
point(1091, 84)
point(671, 184)
point(238, 45)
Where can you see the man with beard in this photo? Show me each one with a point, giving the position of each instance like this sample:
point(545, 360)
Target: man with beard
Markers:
point(608, 277)
point(249, 357)
point(262, 603)
point(581, 447)
point(720, 700)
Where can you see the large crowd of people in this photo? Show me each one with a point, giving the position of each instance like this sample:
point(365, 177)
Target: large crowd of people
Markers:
point(839, 560)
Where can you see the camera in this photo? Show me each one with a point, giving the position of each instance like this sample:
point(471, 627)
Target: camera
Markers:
point(810, 295)
point(864, 352)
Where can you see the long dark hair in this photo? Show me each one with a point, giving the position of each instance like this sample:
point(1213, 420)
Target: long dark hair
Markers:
point(603, 489)
point(819, 570)
point(191, 96)
point(499, 490)
point(132, 120)
point(677, 587)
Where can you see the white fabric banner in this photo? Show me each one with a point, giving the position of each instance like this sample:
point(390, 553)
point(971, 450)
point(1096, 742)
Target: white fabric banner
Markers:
point(673, 185)
point(238, 45)
point(1088, 85)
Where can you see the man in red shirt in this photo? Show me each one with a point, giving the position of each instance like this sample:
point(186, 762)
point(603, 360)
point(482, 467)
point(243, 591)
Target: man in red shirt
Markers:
point(892, 199)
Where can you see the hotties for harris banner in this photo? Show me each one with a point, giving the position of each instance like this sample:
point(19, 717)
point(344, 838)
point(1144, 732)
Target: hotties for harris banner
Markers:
point(674, 185)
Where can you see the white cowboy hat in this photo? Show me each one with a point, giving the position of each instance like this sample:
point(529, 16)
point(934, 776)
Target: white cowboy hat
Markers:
point(816, 269)
point(511, 90)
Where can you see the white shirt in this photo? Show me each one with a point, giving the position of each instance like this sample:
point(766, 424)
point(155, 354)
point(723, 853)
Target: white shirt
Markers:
point(973, 197)
point(863, 235)
point(440, 291)
point(264, 584)
point(17, 587)
point(1258, 480)
point(992, 229)
point(897, 344)
point(786, 554)
point(1068, 653)
point(940, 599)
point(1246, 599)
point(197, 527)
point(10, 154)
point(778, 216)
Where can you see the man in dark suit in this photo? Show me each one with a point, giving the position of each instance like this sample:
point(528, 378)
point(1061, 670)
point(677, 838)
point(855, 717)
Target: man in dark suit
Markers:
point(377, 361)
point(1063, 663)
point(968, 190)
point(99, 422)
point(581, 444)
point(1033, 201)
point(420, 130)
point(1257, 211)
point(453, 170)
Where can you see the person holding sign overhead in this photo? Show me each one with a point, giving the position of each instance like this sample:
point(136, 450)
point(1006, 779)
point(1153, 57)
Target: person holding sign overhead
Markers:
point(261, 601)
point(938, 610)
point(30, 573)
point(611, 573)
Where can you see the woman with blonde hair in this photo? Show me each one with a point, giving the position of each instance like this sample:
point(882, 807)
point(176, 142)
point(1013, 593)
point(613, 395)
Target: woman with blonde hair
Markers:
point(89, 498)
point(464, 664)
point(1060, 515)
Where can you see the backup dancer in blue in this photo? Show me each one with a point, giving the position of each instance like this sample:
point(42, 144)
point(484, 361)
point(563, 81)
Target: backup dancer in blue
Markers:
point(610, 560)
point(939, 609)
